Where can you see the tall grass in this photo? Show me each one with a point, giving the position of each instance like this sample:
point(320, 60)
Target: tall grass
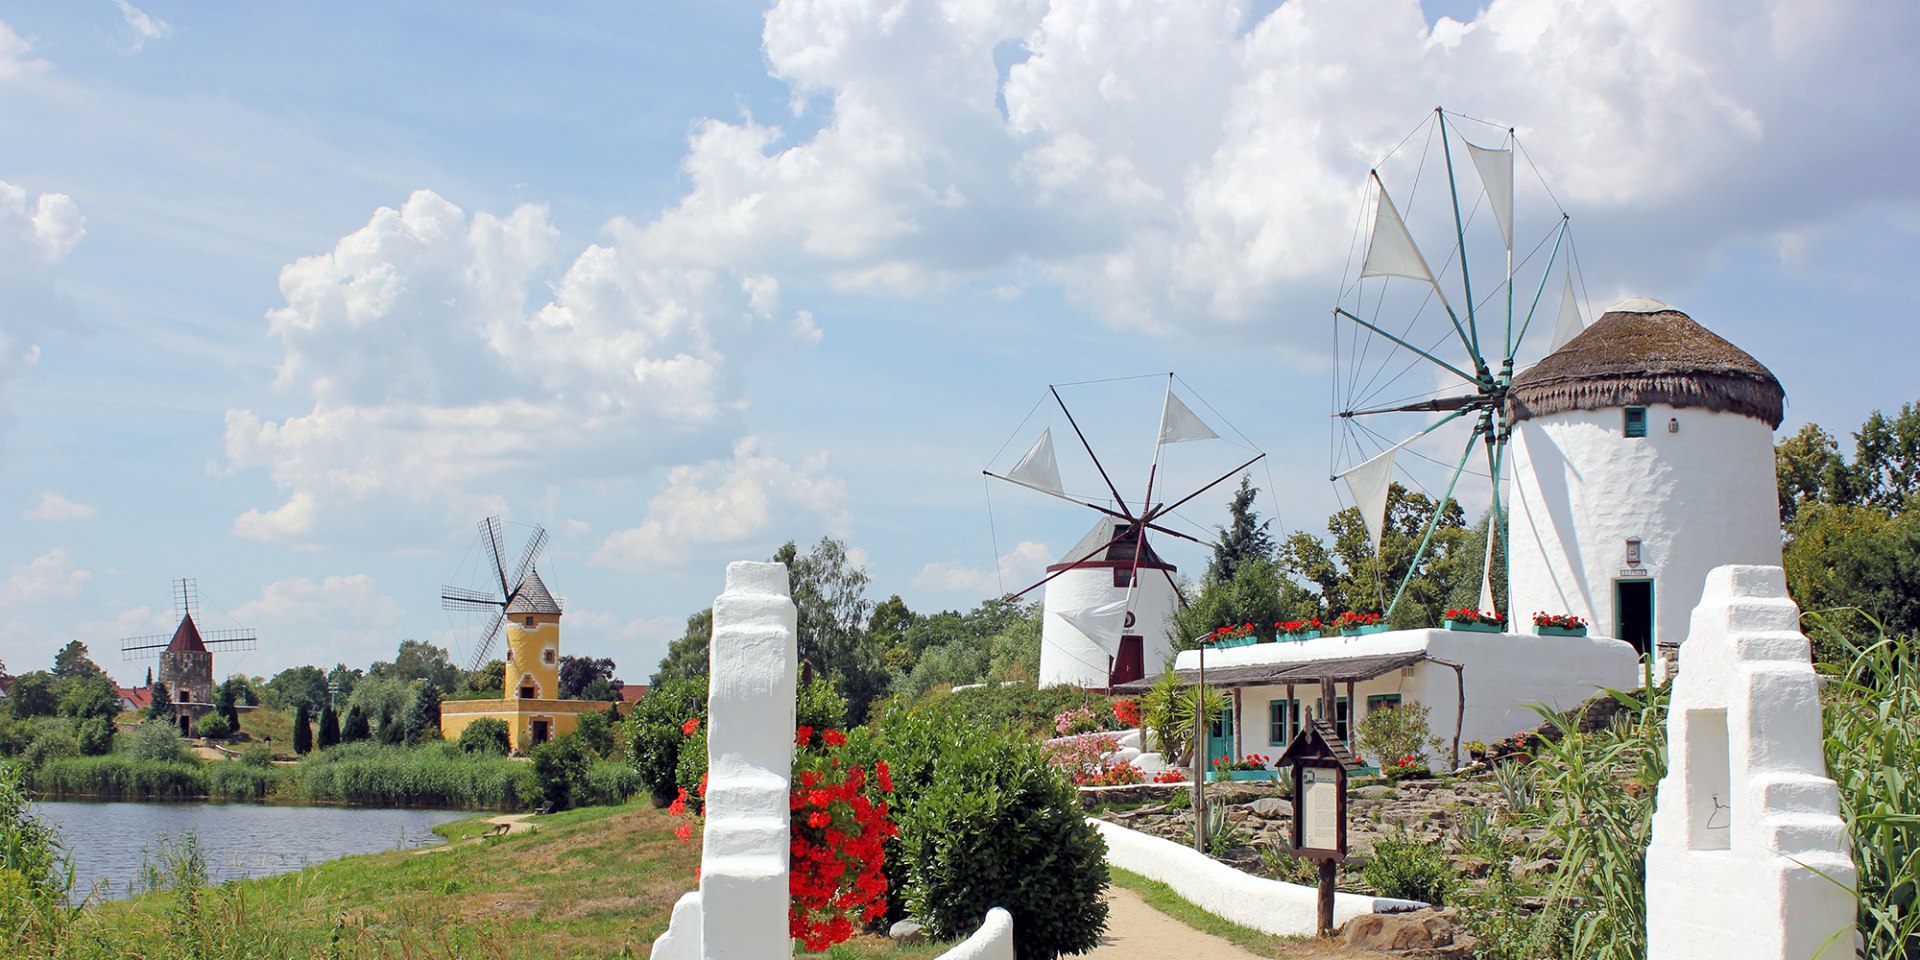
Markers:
point(434, 775)
point(120, 777)
point(1873, 753)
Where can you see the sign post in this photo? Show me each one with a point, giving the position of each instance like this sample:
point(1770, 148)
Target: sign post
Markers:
point(1320, 762)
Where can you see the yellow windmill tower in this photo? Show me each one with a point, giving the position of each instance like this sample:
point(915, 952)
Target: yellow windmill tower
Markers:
point(530, 617)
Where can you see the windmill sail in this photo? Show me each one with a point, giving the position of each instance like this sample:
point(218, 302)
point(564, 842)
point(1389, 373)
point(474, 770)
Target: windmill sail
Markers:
point(1569, 324)
point(1496, 174)
point(1101, 624)
point(1391, 252)
point(1039, 468)
point(1178, 423)
point(1368, 483)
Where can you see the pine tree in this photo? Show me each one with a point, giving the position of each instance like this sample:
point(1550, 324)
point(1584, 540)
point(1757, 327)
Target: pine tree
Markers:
point(329, 727)
point(302, 730)
point(160, 706)
point(423, 715)
point(1246, 539)
point(355, 727)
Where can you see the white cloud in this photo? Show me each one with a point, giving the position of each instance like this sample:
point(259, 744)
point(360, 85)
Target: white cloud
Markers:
point(325, 621)
point(53, 507)
point(724, 501)
point(1018, 568)
point(50, 577)
point(144, 26)
point(14, 61)
point(34, 239)
point(636, 645)
point(1178, 165)
point(433, 371)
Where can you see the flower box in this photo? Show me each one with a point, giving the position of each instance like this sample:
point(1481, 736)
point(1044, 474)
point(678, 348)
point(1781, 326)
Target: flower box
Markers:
point(1240, 776)
point(1560, 631)
point(1473, 627)
point(1369, 628)
point(1300, 635)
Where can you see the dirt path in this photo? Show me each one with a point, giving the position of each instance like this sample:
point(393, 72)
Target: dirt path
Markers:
point(1136, 931)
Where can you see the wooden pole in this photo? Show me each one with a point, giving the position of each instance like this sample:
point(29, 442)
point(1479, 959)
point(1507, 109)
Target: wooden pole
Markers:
point(1324, 926)
point(1199, 756)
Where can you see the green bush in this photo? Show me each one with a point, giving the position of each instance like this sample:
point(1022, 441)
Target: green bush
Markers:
point(596, 731)
point(561, 767)
point(654, 734)
point(213, 726)
point(985, 821)
point(30, 852)
point(1390, 735)
point(1018, 707)
point(93, 736)
point(609, 782)
point(154, 740)
point(692, 768)
point(52, 739)
point(488, 735)
point(1405, 868)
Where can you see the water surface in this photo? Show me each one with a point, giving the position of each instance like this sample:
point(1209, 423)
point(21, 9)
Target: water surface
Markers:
point(109, 841)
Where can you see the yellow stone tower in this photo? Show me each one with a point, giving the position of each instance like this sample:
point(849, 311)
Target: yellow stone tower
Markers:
point(533, 643)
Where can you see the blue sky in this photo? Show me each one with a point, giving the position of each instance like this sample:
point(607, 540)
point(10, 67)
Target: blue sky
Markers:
point(291, 295)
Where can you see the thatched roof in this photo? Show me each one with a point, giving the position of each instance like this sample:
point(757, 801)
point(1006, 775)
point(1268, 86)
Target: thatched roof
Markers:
point(1641, 353)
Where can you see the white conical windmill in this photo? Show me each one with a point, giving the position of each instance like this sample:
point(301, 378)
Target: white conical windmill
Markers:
point(1100, 629)
point(1397, 320)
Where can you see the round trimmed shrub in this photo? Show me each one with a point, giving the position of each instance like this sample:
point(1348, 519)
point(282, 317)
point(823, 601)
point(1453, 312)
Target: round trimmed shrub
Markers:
point(488, 735)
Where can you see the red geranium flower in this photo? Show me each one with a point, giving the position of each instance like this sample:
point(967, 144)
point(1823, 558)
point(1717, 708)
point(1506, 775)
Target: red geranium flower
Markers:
point(692, 724)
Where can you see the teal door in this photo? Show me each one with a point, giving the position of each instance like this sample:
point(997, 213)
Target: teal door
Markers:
point(1220, 738)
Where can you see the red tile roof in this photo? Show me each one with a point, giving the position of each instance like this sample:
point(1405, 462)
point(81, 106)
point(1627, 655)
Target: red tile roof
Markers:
point(632, 692)
point(186, 638)
point(140, 697)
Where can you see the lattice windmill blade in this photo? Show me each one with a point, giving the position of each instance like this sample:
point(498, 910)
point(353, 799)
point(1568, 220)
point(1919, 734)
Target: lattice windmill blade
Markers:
point(461, 598)
point(144, 648)
point(241, 639)
point(491, 527)
point(529, 554)
point(483, 651)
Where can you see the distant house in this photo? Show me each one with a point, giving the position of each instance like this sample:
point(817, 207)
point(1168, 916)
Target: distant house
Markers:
point(135, 698)
point(631, 693)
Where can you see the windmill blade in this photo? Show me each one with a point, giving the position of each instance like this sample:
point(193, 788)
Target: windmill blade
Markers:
point(1436, 405)
point(230, 639)
point(491, 526)
point(484, 652)
point(527, 556)
point(461, 598)
point(135, 648)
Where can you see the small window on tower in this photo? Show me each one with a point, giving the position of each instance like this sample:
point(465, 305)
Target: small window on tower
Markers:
point(529, 621)
point(548, 655)
point(1636, 421)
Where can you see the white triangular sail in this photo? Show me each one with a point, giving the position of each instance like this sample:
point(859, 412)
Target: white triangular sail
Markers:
point(1179, 424)
point(1368, 483)
point(1486, 571)
point(1391, 252)
point(1101, 623)
point(1496, 174)
point(1569, 324)
point(1038, 468)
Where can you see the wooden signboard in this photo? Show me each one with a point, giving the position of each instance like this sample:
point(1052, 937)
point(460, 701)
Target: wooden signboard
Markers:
point(1320, 762)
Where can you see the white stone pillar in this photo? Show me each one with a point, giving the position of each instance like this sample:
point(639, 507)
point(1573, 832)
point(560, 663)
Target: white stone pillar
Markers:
point(753, 660)
point(1749, 857)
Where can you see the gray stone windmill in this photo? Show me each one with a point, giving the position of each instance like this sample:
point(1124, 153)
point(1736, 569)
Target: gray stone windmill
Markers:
point(186, 655)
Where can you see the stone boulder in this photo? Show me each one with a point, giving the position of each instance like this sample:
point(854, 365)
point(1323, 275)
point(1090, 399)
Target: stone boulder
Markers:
point(1437, 933)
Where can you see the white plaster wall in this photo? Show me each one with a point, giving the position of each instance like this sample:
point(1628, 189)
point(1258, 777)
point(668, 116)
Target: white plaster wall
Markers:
point(1270, 906)
point(1504, 674)
point(1749, 857)
point(1697, 499)
point(993, 941)
point(1067, 656)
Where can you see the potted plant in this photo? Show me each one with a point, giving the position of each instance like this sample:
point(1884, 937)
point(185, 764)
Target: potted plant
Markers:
point(1351, 624)
point(1474, 621)
point(1559, 625)
point(1231, 636)
point(1253, 766)
point(1298, 629)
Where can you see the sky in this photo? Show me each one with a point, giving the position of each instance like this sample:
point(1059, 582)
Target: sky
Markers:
point(293, 295)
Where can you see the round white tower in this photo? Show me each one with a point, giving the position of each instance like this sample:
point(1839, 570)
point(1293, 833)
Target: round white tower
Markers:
point(1085, 612)
point(1642, 458)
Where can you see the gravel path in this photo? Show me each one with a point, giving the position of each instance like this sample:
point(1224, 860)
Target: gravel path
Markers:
point(1136, 931)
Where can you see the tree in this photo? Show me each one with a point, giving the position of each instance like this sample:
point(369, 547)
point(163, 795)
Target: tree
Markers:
point(355, 727)
point(596, 729)
point(488, 681)
point(224, 705)
point(1244, 538)
point(416, 660)
point(72, 661)
point(423, 714)
point(160, 703)
point(344, 681)
point(1349, 575)
point(302, 730)
point(687, 656)
point(329, 733)
point(486, 735)
point(86, 697)
point(577, 673)
point(295, 686)
point(1258, 594)
point(1808, 469)
point(32, 696)
point(561, 766)
point(830, 594)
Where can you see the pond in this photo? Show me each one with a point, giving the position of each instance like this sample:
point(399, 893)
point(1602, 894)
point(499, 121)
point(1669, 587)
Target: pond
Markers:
point(109, 841)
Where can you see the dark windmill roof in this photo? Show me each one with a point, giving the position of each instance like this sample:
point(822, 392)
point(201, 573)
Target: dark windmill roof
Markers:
point(1120, 551)
point(1644, 352)
point(186, 638)
point(532, 597)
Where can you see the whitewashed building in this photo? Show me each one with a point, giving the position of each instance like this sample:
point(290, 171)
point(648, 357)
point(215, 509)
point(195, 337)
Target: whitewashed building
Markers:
point(1087, 598)
point(1643, 458)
